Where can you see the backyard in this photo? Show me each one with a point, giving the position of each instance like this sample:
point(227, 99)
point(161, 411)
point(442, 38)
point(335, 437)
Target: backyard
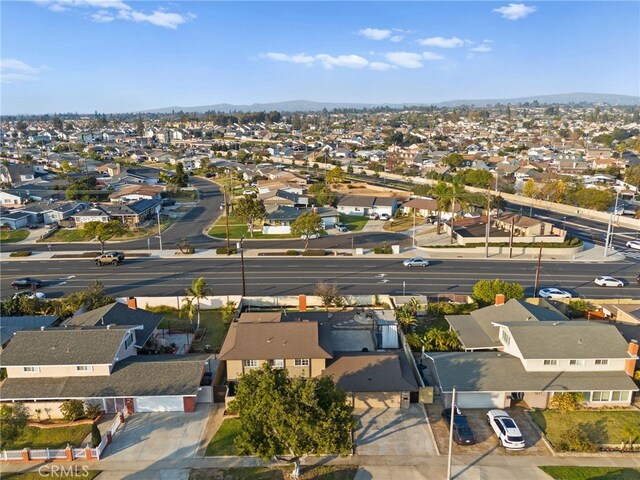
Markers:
point(602, 426)
point(34, 437)
point(591, 473)
point(211, 321)
point(11, 236)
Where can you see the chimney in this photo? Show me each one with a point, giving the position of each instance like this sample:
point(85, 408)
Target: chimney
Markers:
point(500, 299)
point(132, 303)
point(315, 210)
point(630, 364)
point(302, 303)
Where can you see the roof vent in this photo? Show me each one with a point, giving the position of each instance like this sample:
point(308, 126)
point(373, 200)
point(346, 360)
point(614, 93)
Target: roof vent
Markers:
point(269, 339)
point(580, 341)
point(42, 328)
point(109, 327)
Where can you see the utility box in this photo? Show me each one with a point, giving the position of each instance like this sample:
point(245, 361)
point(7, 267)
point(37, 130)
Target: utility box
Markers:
point(425, 395)
point(395, 248)
point(359, 251)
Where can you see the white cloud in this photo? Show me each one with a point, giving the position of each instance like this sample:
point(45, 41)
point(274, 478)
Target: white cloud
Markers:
point(396, 38)
point(482, 48)
point(515, 11)
point(380, 66)
point(12, 70)
point(299, 58)
point(431, 56)
point(375, 33)
point(110, 10)
point(441, 42)
point(349, 61)
point(404, 59)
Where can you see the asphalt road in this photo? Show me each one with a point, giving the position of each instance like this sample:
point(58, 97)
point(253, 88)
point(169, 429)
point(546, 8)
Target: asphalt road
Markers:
point(286, 276)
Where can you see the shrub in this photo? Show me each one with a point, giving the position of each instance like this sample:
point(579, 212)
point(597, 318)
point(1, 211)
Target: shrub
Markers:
point(225, 251)
point(161, 309)
point(25, 253)
point(96, 437)
point(72, 410)
point(576, 439)
point(386, 249)
point(314, 253)
point(578, 308)
point(92, 410)
point(293, 252)
point(566, 402)
point(485, 291)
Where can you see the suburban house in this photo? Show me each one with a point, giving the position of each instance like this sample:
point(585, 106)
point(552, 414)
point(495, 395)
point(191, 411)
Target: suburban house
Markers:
point(132, 213)
point(131, 193)
point(516, 352)
point(427, 207)
point(98, 365)
point(359, 350)
point(13, 197)
point(15, 219)
point(276, 198)
point(366, 205)
point(94, 214)
point(279, 221)
point(11, 325)
point(60, 211)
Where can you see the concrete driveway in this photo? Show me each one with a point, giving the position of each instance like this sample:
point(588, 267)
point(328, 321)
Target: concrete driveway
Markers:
point(159, 436)
point(393, 432)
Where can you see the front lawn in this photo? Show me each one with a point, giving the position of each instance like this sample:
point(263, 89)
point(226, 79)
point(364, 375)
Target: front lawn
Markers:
point(211, 320)
point(605, 426)
point(53, 471)
point(12, 236)
point(323, 472)
point(222, 442)
point(237, 229)
point(184, 196)
point(354, 223)
point(34, 437)
point(69, 235)
point(402, 224)
point(592, 473)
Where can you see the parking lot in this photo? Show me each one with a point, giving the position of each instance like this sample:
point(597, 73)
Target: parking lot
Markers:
point(487, 442)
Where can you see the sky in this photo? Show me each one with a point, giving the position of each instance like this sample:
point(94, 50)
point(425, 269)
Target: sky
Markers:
point(123, 56)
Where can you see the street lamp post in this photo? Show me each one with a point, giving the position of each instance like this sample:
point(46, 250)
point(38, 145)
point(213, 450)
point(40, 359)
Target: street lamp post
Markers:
point(239, 247)
point(159, 229)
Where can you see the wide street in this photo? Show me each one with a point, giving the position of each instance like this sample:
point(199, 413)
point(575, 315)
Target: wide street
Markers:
point(287, 275)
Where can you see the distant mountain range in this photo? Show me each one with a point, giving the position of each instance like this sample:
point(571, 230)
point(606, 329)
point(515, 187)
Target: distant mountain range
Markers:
point(309, 106)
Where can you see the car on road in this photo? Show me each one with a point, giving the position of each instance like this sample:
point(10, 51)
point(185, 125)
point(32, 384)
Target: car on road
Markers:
point(248, 192)
point(313, 236)
point(167, 202)
point(506, 429)
point(27, 282)
point(109, 258)
point(340, 227)
point(606, 281)
point(635, 244)
point(433, 219)
point(554, 293)
point(416, 262)
point(30, 295)
point(462, 433)
point(384, 216)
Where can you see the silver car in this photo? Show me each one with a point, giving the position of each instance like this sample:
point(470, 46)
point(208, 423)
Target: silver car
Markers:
point(416, 262)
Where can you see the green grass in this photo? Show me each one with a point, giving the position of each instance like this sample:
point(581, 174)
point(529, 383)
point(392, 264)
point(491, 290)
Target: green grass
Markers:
point(222, 442)
point(76, 473)
point(12, 236)
point(354, 223)
point(237, 229)
point(209, 319)
point(605, 426)
point(68, 235)
point(324, 472)
point(401, 224)
point(592, 473)
point(184, 196)
point(34, 437)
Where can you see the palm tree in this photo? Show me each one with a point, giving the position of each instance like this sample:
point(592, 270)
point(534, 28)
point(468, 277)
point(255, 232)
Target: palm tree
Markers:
point(458, 196)
point(188, 309)
point(198, 291)
point(443, 192)
point(630, 434)
point(405, 316)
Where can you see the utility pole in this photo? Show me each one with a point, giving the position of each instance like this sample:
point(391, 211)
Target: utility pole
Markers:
point(513, 223)
point(159, 229)
point(535, 291)
point(610, 237)
point(488, 226)
point(239, 247)
point(453, 406)
point(414, 227)
point(226, 210)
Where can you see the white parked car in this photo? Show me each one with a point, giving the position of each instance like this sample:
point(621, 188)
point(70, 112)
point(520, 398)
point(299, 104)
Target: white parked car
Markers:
point(554, 293)
point(505, 428)
point(605, 281)
point(635, 244)
point(311, 237)
point(384, 216)
point(340, 227)
point(416, 262)
point(30, 295)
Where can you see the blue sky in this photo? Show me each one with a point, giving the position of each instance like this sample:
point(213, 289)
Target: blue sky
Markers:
point(122, 56)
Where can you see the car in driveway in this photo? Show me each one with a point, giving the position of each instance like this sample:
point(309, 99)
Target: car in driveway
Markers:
point(416, 262)
point(506, 429)
point(385, 216)
point(341, 227)
point(167, 202)
point(606, 281)
point(30, 295)
point(462, 433)
point(554, 293)
point(109, 258)
point(635, 244)
point(27, 282)
point(374, 216)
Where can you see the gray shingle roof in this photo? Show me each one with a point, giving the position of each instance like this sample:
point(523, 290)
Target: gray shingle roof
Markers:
point(372, 372)
point(63, 346)
point(500, 372)
point(11, 325)
point(120, 314)
point(356, 201)
point(145, 375)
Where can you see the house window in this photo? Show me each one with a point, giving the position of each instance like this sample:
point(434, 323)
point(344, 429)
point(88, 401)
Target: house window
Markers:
point(601, 396)
point(277, 363)
point(128, 341)
point(31, 369)
point(601, 361)
point(576, 362)
point(250, 363)
point(84, 368)
point(550, 362)
point(505, 337)
point(301, 362)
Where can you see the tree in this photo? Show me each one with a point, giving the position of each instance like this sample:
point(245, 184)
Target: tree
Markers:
point(322, 194)
point(180, 178)
point(476, 178)
point(72, 410)
point(498, 203)
point(443, 192)
point(458, 196)
point(96, 437)
point(306, 225)
point(189, 309)
point(579, 308)
point(104, 231)
point(454, 160)
point(13, 420)
point(198, 291)
point(335, 175)
point(297, 416)
point(530, 189)
point(485, 291)
point(406, 316)
point(249, 209)
point(566, 402)
point(329, 293)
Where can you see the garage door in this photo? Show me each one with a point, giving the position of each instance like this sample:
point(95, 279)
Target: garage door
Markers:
point(376, 400)
point(158, 404)
point(479, 400)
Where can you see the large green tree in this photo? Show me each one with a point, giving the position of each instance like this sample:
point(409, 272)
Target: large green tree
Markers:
point(283, 416)
point(322, 194)
point(335, 175)
point(485, 291)
point(306, 225)
point(249, 209)
point(180, 178)
point(454, 160)
point(104, 231)
point(443, 200)
point(13, 420)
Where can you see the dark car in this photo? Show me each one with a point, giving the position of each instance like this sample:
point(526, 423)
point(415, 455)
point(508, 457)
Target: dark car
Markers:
point(166, 202)
point(27, 283)
point(462, 433)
